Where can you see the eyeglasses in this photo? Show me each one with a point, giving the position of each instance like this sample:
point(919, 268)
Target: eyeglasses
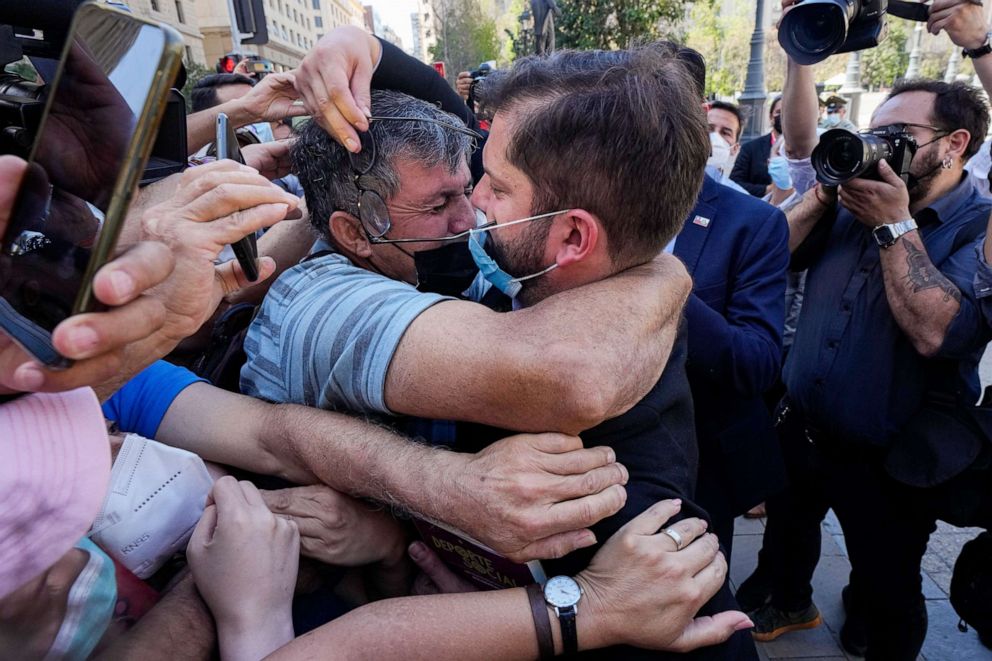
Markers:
point(372, 211)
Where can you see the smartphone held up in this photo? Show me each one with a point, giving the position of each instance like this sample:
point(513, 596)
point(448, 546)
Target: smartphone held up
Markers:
point(101, 116)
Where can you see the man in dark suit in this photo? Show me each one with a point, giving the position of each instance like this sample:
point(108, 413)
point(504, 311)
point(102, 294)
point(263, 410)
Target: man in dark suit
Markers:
point(751, 167)
point(736, 249)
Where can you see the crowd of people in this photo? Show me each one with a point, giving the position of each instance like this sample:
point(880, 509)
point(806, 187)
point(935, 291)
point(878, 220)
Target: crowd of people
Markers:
point(503, 387)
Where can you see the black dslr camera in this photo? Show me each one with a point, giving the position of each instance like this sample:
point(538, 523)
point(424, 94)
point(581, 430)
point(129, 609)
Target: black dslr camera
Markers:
point(813, 30)
point(477, 74)
point(841, 155)
point(37, 30)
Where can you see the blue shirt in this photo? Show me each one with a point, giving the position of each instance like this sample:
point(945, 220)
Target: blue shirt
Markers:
point(326, 334)
point(141, 403)
point(852, 371)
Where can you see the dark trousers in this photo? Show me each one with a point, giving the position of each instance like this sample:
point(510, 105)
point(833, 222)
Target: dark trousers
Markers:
point(886, 529)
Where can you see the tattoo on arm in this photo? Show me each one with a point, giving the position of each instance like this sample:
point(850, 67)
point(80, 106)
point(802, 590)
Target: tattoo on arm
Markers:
point(922, 274)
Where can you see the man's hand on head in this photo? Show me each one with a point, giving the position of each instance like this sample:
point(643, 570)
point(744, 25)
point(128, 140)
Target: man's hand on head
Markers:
point(534, 495)
point(877, 202)
point(271, 159)
point(335, 81)
point(97, 341)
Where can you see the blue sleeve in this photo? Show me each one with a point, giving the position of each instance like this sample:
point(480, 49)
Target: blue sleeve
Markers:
point(140, 405)
point(326, 334)
point(742, 347)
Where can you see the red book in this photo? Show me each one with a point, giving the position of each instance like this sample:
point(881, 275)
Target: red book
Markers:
point(475, 561)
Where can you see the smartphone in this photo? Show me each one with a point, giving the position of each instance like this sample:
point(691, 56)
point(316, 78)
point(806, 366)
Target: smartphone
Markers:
point(102, 111)
point(226, 142)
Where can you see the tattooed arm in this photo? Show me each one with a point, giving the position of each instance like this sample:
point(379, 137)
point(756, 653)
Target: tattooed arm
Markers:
point(922, 299)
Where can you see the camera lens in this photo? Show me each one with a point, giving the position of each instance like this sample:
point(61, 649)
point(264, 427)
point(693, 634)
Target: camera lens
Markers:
point(812, 30)
point(841, 155)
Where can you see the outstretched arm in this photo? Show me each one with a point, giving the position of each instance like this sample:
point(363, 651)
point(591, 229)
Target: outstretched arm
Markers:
point(546, 488)
point(566, 364)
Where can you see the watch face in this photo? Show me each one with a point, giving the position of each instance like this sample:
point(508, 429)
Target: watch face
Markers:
point(562, 591)
point(883, 234)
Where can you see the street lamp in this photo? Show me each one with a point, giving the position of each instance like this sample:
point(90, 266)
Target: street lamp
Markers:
point(755, 94)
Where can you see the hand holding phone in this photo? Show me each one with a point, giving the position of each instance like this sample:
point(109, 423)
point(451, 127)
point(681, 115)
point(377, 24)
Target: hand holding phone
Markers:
point(101, 117)
point(246, 249)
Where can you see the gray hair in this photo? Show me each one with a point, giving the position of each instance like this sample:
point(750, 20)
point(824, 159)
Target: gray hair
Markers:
point(325, 171)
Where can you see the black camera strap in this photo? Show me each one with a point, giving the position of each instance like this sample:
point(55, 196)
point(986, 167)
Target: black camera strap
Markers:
point(911, 11)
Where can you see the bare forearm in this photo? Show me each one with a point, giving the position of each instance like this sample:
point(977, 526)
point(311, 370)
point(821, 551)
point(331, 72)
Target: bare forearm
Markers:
point(178, 627)
point(922, 299)
point(360, 458)
point(287, 243)
point(799, 110)
point(479, 625)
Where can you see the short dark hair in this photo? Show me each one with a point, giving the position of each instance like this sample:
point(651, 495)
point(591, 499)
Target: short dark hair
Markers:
point(204, 94)
point(732, 109)
point(957, 106)
point(620, 134)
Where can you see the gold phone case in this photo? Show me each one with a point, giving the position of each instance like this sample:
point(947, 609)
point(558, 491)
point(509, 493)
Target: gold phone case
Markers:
point(139, 148)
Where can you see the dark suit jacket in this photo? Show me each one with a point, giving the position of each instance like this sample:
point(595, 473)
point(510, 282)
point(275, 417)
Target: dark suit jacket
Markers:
point(751, 167)
point(736, 249)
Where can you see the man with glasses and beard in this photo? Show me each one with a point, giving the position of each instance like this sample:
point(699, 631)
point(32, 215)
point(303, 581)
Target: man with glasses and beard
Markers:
point(889, 327)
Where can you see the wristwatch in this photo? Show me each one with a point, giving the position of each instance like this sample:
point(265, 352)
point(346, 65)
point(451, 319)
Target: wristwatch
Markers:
point(981, 51)
point(562, 593)
point(887, 235)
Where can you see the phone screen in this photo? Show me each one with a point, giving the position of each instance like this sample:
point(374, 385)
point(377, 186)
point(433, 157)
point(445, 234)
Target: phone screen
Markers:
point(81, 149)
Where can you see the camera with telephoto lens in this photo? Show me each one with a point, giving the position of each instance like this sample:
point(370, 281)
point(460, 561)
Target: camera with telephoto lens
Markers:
point(841, 155)
point(484, 70)
point(31, 39)
point(813, 30)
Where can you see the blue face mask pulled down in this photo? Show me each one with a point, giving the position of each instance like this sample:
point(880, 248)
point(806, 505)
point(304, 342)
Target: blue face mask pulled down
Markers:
point(89, 607)
point(488, 267)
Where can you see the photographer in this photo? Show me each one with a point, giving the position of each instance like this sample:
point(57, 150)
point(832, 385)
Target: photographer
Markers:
point(890, 301)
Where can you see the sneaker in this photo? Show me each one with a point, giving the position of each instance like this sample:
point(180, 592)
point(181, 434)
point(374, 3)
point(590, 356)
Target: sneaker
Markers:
point(853, 635)
point(754, 592)
point(770, 622)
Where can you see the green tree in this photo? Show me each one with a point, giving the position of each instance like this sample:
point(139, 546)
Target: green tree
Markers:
point(883, 65)
point(466, 36)
point(724, 40)
point(606, 24)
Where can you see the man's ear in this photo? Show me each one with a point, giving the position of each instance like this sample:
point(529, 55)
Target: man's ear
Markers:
point(958, 142)
point(575, 236)
point(736, 148)
point(346, 230)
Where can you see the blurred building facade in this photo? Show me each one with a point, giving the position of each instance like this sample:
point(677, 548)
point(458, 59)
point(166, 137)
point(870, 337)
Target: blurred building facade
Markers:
point(294, 26)
point(181, 15)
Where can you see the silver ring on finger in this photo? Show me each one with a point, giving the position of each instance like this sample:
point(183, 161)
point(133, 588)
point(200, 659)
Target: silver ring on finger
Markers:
point(676, 537)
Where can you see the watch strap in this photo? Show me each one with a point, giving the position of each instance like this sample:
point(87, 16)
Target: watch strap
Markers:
point(569, 636)
point(981, 51)
point(542, 621)
point(895, 230)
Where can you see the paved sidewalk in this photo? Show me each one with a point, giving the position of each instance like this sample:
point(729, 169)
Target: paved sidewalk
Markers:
point(944, 642)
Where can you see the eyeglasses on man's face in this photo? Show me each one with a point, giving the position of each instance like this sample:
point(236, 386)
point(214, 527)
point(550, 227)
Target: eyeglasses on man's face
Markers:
point(372, 210)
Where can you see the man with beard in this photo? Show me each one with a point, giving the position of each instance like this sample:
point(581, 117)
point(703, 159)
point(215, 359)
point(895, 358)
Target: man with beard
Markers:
point(555, 230)
point(890, 325)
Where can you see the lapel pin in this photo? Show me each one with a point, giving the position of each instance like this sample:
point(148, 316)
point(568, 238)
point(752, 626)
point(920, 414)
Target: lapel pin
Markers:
point(702, 222)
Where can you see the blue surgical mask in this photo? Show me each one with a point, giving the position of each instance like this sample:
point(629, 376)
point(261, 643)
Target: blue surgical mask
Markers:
point(492, 271)
point(89, 607)
point(832, 119)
